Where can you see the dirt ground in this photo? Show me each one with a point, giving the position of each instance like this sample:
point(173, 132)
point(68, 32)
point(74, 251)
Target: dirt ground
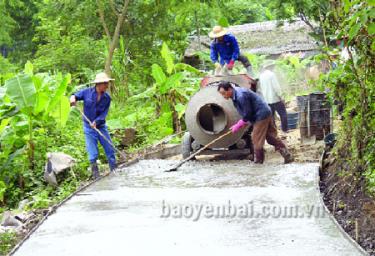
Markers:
point(345, 197)
point(305, 151)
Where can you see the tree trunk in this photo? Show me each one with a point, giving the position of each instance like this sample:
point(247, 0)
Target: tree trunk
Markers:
point(176, 120)
point(113, 41)
point(113, 44)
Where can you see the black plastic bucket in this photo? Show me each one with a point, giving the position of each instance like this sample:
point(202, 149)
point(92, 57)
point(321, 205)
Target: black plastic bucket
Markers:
point(319, 118)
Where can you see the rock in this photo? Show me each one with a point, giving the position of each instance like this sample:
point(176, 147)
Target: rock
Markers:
point(57, 162)
point(9, 220)
point(50, 177)
point(20, 230)
point(25, 216)
point(23, 204)
point(128, 137)
point(60, 161)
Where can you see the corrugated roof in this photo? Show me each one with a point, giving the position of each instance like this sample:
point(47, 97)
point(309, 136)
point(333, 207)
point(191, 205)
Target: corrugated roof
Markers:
point(265, 38)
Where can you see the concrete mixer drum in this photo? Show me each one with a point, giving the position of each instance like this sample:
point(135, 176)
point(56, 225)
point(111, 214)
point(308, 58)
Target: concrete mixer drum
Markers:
point(208, 115)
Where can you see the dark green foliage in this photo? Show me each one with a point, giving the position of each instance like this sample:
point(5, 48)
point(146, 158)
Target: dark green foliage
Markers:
point(7, 241)
point(34, 112)
point(20, 27)
point(243, 11)
point(68, 37)
point(352, 85)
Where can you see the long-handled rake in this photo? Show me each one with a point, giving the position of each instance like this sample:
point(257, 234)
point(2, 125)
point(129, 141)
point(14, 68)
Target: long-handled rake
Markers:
point(101, 134)
point(174, 168)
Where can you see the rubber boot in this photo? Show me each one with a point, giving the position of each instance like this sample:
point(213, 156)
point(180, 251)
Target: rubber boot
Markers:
point(95, 171)
point(252, 153)
point(259, 156)
point(112, 167)
point(288, 158)
point(251, 157)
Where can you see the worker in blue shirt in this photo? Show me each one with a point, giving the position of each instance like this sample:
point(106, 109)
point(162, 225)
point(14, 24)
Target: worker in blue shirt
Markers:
point(96, 102)
point(254, 111)
point(225, 46)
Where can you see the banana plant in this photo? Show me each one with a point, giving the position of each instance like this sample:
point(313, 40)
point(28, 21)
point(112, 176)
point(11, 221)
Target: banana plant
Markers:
point(31, 94)
point(171, 87)
point(22, 92)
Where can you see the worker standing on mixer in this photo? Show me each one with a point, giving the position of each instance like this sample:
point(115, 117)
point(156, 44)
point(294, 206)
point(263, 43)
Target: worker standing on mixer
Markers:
point(254, 111)
point(225, 46)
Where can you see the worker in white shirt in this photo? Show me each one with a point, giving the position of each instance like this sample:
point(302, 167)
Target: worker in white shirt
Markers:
point(270, 90)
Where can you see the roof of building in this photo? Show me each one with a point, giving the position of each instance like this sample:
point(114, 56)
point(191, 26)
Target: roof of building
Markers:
point(268, 38)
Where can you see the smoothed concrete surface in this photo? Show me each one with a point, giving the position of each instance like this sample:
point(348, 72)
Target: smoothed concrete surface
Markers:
point(245, 209)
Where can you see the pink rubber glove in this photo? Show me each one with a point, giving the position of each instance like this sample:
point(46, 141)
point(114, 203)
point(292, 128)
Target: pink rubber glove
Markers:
point(230, 64)
point(241, 123)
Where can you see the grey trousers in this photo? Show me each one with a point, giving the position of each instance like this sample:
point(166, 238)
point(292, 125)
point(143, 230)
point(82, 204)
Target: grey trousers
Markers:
point(244, 60)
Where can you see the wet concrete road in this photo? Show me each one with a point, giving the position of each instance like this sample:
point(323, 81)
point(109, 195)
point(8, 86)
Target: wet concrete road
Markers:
point(206, 208)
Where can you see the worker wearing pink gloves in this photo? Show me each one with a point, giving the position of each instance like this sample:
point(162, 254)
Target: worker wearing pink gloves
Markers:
point(255, 111)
